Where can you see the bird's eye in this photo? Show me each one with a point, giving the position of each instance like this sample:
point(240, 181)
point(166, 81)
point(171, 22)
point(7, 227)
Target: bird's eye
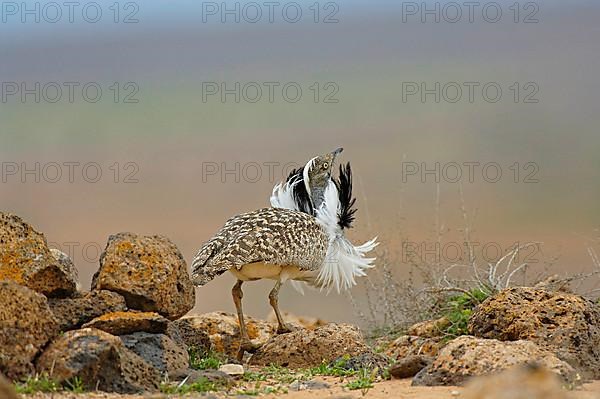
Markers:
point(325, 165)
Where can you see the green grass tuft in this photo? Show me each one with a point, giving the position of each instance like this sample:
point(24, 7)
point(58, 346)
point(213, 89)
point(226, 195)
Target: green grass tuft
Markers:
point(205, 360)
point(364, 381)
point(459, 309)
point(38, 383)
point(75, 385)
point(339, 368)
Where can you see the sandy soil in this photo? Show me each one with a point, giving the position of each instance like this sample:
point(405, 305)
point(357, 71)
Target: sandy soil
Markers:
point(387, 389)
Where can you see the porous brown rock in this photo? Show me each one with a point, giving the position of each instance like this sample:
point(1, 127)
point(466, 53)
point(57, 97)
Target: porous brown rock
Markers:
point(100, 360)
point(466, 357)
point(309, 348)
point(6, 389)
point(564, 323)
point(223, 331)
point(528, 381)
point(72, 313)
point(26, 259)
point(150, 273)
point(411, 345)
point(183, 332)
point(158, 350)
point(121, 323)
point(26, 325)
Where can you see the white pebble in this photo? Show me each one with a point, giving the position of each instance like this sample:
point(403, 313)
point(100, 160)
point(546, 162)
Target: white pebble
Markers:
point(232, 369)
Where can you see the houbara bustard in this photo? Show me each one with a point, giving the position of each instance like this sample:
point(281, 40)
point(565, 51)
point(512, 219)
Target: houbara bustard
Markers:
point(304, 190)
point(283, 243)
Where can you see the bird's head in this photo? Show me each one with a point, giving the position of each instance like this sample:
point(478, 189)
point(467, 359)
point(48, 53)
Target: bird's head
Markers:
point(317, 175)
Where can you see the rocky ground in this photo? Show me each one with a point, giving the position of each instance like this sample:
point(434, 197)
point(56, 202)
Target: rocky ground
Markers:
point(130, 335)
point(387, 389)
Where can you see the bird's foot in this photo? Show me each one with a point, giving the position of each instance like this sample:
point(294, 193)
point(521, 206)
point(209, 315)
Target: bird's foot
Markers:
point(283, 329)
point(247, 346)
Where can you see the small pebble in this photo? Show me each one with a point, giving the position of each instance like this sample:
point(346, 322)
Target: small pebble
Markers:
point(232, 369)
point(308, 385)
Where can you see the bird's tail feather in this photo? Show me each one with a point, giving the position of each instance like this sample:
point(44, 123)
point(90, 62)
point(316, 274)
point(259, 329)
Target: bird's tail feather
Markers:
point(345, 262)
point(200, 274)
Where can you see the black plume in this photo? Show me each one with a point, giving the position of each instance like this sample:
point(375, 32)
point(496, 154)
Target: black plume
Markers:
point(301, 196)
point(344, 186)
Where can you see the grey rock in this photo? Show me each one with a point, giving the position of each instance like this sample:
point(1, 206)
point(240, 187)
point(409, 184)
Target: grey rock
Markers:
point(158, 350)
point(368, 360)
point(409, 366)
point(100, 360)
point(72, 313)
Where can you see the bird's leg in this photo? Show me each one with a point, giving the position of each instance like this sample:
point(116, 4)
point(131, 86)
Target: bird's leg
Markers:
point(273, 299)
point(245, 343)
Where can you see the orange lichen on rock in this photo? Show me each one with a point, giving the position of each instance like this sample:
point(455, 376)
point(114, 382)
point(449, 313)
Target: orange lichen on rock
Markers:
point(128, 315)
point(223, 331)
point(120, 323)
point(150, 273)
point(10, 271)
point(26, 259)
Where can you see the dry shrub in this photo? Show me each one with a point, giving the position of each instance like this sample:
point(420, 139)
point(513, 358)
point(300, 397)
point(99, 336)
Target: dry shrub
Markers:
point(432, 287)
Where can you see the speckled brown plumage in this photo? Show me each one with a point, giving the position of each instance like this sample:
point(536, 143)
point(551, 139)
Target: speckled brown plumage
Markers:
point(269, 235)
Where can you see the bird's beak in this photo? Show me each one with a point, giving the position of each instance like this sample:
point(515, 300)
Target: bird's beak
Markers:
point(334, 154)
point(337, 151)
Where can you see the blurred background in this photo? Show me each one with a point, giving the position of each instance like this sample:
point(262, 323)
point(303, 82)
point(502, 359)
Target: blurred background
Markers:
point(169, 117)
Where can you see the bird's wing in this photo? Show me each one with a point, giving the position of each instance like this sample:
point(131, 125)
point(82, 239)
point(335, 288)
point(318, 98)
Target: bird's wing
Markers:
point(270, 235)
